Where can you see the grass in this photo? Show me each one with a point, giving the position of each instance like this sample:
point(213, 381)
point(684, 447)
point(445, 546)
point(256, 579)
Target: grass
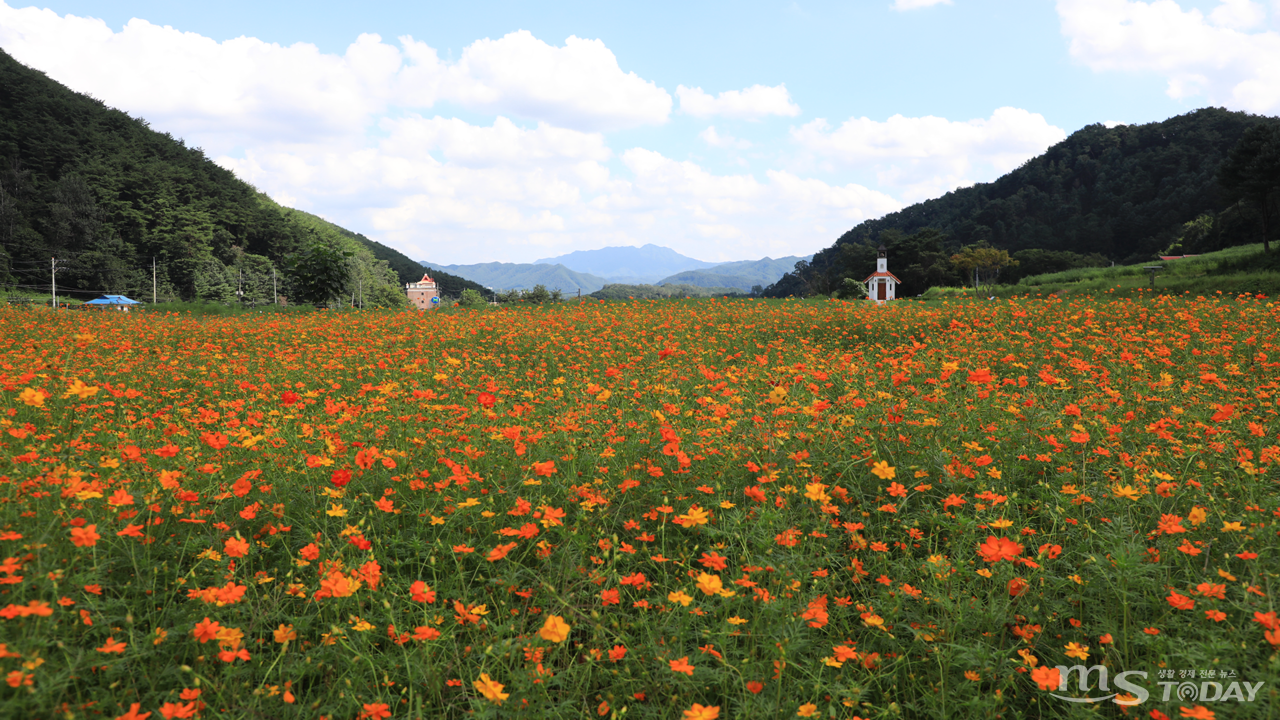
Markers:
point(649, 509)
point(1234, 271)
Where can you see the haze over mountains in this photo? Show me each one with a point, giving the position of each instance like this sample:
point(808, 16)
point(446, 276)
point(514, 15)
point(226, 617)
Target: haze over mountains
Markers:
point(590, 270)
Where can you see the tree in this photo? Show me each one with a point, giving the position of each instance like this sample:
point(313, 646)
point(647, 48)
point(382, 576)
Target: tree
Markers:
point(1251, 172)
point(471, 298)
point(385, 296)
point(318, 273)
point(983, 262)
point(851, 288)
point(538, 295)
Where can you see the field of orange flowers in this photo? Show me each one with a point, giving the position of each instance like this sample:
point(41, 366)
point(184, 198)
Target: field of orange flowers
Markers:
point(722, 508)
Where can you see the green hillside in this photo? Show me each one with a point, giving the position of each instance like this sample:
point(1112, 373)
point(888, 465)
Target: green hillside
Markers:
point(108, 197)
point(743, 274)
point(1121, 194)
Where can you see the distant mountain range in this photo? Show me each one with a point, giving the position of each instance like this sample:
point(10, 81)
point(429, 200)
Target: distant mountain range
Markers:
point(523, 276)
point(591, 270)
point(645, 264)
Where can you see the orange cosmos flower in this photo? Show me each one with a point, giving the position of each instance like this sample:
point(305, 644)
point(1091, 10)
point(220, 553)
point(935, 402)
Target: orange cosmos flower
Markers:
point(206, 630)
point(490, 688)
point(981, 376)
point(702, 712)
point(709, 584)
point(500, 552)
point(86, 536)
point(32, 397)
point(682, 665)
point(996, 549)
point(236, 547)
point(883, 470)
point(555, 629)
point(1046, 678)
point(112, 646)
point(419, 591)
point(215, 440)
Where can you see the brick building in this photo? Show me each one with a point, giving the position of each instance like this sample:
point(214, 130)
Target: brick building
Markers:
point(422, 293)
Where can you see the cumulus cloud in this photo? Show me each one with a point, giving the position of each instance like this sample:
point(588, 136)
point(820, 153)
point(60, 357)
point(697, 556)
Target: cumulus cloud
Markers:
point(504, 144)
point(351, 136)
point(927, 156)
point(713, 138)
point(1210, 55)
point(915, 4)
point(753, 103)
point(248, 87)
point(578, 86)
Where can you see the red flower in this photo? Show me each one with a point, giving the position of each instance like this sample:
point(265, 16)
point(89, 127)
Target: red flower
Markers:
point(996, 549)
point(980, 376)
point(681, 665)
point(86, 536)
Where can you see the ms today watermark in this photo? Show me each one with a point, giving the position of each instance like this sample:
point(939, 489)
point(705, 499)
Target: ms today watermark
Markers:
point(1135, 694)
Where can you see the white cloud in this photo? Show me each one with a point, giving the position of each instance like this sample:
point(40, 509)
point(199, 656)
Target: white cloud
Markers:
point(1238, 14)
point(579, 85)
point(715, 139)
point(927, 156)
point(915, 4)
point(352, 136)
point(1197, 55)
point(755, 102)
point(224, 91)
point(502, 145)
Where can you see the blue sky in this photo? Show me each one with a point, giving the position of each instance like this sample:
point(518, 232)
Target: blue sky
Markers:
point(509, 131)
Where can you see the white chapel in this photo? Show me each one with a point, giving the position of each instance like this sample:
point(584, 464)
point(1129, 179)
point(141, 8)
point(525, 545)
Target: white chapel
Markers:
point(881, 284)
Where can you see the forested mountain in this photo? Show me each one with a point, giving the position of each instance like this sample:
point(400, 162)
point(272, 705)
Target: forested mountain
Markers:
point(406, 270)
point(107, 197)
point(1120, 194)
point(742, 275)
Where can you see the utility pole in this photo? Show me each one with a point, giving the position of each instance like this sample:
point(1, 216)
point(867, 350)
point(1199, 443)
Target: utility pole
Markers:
point(275, 296)
point(53, 280)
point(153, 279)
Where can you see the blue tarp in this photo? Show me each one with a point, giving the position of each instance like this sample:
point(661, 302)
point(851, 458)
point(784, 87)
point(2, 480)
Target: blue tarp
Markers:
point(113, 300)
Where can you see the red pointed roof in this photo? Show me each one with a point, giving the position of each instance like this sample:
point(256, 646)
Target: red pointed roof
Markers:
point(883, 274)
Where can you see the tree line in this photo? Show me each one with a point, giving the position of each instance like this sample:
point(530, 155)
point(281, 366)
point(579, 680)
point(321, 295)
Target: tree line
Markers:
point(110, 199)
